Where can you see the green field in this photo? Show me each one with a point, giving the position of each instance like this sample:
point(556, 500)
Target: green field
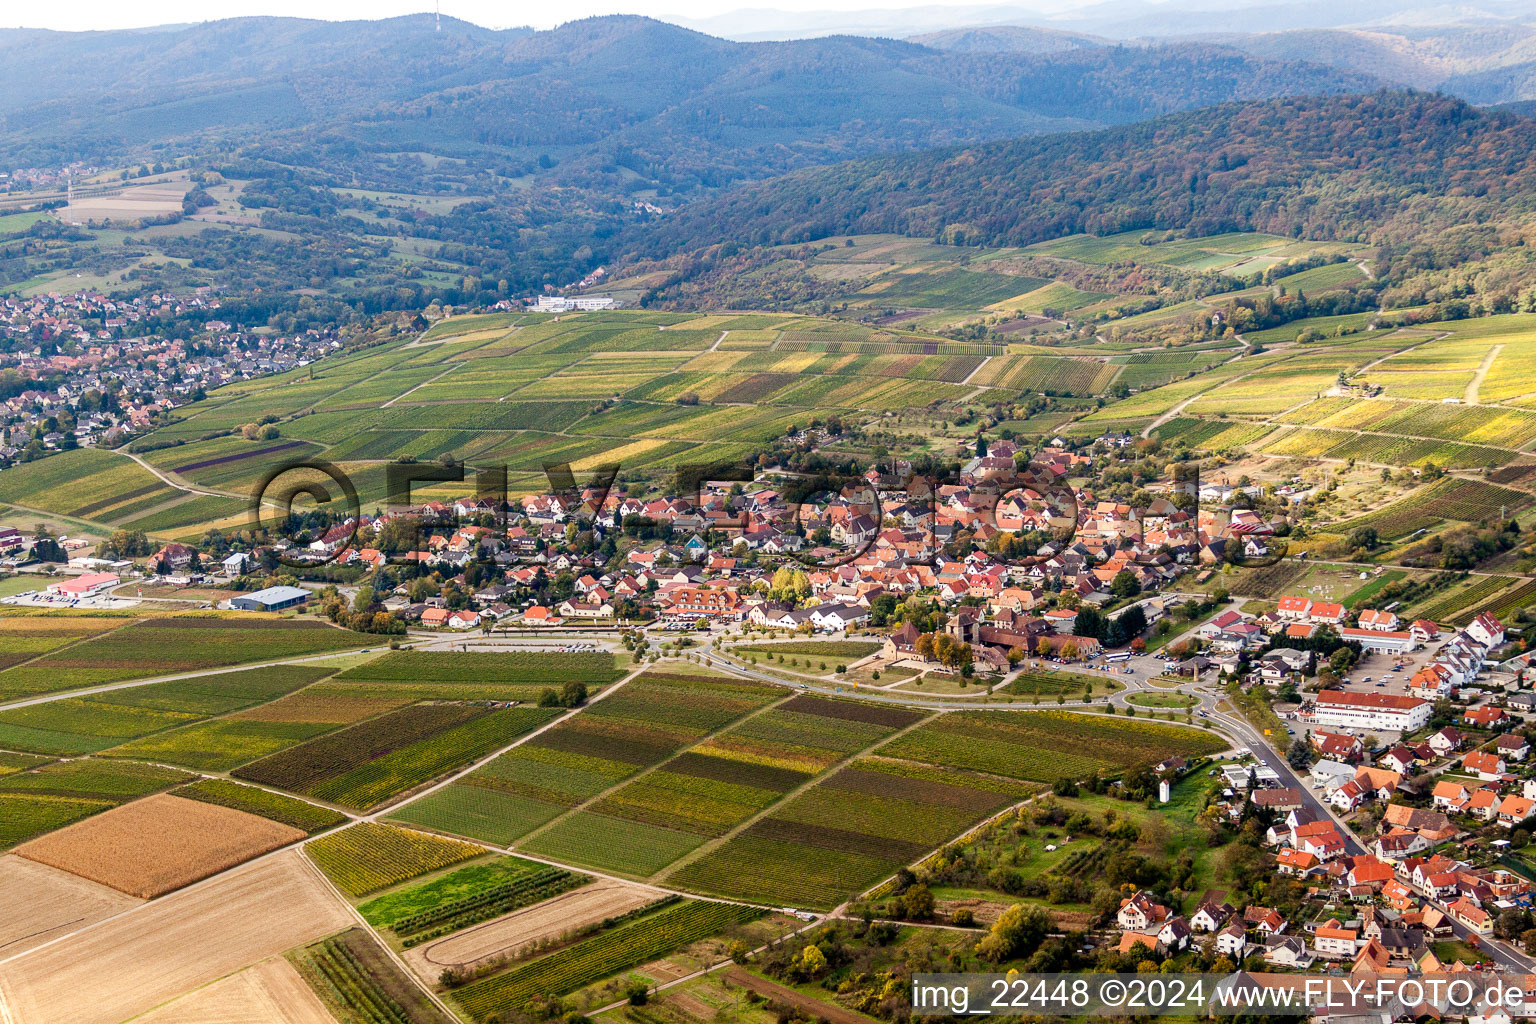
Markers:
point(54, 795)
point(171, 645)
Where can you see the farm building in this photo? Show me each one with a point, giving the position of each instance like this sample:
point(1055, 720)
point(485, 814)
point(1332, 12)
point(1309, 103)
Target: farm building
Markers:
point(270, 600)
point(85, 585)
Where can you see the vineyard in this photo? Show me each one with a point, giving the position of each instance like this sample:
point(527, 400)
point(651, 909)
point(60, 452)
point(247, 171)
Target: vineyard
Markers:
point(358, 982)
point(611, 844)
point(1485, 590)
point(467, 896)
point(595, 668)
point(274, 806)
point(837, 838)
point(1045, 746)
point(365, 764)
point(606, 953)
point(153, 647)
point(371, 856)
point(852, 650)
point(1467, 501)
point(1088, 861)
point(1269, 581)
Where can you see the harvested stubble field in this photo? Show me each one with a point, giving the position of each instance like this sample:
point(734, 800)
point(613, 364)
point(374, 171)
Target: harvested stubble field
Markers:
point(272, 992)
point(159, 844)
point(371, 856)
point(192, 937)
point(520, 929)
point(38, 903)
point(54, 795)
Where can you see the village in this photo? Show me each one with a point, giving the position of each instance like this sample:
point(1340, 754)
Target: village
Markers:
point(88, 370)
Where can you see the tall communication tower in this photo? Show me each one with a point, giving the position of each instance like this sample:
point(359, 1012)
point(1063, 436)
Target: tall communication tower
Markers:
point(438, 7)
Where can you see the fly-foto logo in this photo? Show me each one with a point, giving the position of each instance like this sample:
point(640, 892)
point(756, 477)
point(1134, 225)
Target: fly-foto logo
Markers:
point(1029, 515)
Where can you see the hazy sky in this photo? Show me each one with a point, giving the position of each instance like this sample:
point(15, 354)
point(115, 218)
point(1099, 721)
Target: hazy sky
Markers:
point(101, 14)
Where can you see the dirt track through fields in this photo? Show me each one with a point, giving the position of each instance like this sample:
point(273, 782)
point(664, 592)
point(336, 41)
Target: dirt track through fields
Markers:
point(546, 920)
point(38, 903)
point(134, 962)
point(815, 1007)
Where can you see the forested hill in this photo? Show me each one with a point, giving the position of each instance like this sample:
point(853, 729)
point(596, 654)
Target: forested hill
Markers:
point(1400, 166)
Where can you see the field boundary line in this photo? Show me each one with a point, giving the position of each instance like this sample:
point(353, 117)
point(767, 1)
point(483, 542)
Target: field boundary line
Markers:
point(653, 768)
point(430, 380)
point(815, 780)
point(151, 680)
point(405, 799)
point(357, 916)
point(984, 361)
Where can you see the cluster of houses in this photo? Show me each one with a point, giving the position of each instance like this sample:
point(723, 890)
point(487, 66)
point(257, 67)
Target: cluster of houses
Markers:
point(724, 543)
point(71, 345)
point(1397, 898)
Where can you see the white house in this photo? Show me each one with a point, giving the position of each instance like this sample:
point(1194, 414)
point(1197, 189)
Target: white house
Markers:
point(1370, 710)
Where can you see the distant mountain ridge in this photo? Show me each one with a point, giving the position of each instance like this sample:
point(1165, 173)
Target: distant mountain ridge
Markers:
point(604, 96)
